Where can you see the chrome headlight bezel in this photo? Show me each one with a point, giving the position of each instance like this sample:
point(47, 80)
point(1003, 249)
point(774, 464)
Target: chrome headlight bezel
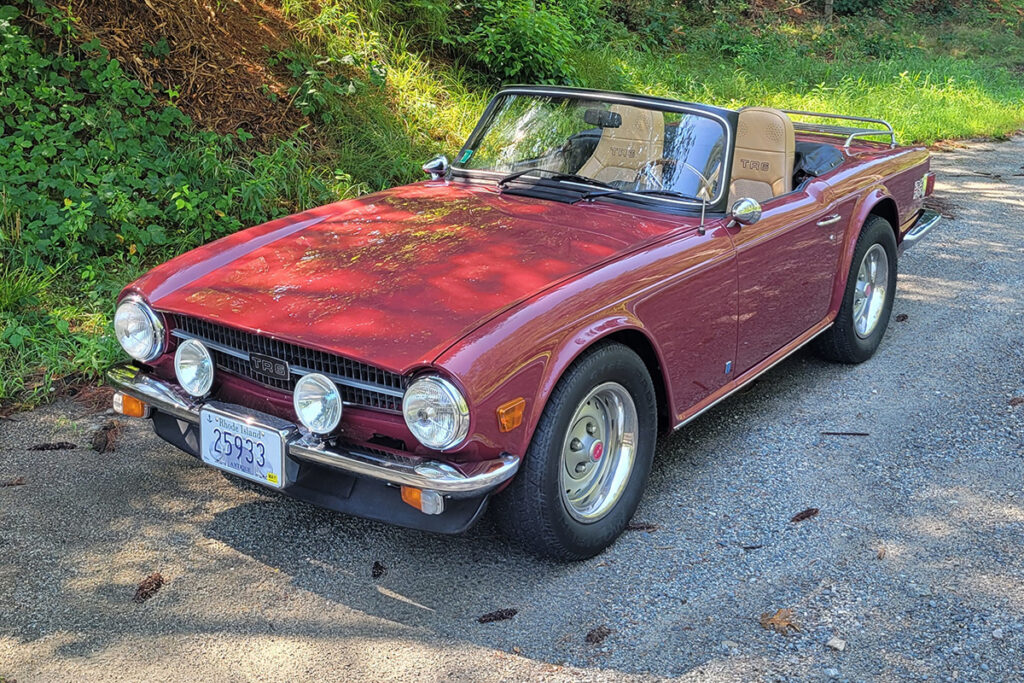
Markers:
point(197, 350)
point(452, 399)
point(328, 392)
point(156, 336)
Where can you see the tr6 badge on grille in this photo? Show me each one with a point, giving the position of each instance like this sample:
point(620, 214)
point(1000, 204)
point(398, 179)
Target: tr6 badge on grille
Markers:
point(269, 367)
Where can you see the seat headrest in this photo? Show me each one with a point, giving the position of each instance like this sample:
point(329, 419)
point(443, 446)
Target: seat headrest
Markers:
point(763, 161)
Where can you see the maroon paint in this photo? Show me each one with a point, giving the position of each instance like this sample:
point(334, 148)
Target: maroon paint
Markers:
point(501, 292)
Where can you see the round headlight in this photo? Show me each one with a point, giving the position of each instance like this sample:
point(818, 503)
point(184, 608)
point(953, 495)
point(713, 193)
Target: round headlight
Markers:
point(193, 366)
point(436, 412)
point(317, 402)
point(139, 329)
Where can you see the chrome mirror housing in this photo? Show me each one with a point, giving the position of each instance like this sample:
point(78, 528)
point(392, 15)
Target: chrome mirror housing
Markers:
point(436, 168)
point(746, 211)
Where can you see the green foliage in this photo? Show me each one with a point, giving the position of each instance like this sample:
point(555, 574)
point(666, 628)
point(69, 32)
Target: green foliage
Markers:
point(519, 41)
point(100, 174)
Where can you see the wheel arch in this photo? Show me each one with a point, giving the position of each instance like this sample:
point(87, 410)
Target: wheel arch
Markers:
point(876, 202)
point(620, 330)
point(886, 208)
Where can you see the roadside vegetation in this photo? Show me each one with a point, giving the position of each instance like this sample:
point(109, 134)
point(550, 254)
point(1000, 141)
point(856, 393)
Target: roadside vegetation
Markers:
point(133, 131)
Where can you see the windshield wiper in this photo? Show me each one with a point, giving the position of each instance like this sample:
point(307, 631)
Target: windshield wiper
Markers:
point(615, 190)
point(555, 175)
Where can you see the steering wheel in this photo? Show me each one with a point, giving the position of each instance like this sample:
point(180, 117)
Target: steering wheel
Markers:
point(648, 175)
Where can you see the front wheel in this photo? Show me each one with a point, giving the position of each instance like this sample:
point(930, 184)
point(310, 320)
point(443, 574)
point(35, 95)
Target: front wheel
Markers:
point(867, 301)
point(585, 470)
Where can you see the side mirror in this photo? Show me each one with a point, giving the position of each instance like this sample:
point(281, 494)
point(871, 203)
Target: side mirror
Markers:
point(436, 168)
point(745, 211)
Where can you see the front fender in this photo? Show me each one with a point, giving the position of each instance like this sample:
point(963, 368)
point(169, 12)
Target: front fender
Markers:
point(524, 358)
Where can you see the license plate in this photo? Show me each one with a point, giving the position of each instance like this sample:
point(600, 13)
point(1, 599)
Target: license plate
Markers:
point(242, 446)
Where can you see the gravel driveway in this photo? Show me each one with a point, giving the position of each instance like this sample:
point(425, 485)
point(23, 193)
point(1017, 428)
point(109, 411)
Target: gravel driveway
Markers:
point(915, 561)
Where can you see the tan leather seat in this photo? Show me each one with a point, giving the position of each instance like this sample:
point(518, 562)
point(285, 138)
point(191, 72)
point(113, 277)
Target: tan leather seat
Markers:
point(762, 165)
point(622, 152)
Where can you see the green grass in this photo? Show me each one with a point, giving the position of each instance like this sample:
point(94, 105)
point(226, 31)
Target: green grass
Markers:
point(389, 84)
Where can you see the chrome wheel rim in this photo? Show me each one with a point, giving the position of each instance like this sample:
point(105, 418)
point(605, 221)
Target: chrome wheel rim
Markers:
point(598, 452)
point(872, 287)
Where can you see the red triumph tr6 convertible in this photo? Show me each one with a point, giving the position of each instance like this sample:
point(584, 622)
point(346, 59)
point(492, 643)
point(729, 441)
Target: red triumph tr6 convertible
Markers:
point(592, 269)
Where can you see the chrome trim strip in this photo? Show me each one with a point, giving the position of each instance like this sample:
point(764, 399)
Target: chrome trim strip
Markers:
point(849, 131)
point(649, 102)
point(432, 475)
point(924, 223)
point(164, 396)
point(749, 379)
point(295, 369)
point(231, 351)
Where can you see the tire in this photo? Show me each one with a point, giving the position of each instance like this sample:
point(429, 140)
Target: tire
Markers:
point(858, 329)
point(551, 519)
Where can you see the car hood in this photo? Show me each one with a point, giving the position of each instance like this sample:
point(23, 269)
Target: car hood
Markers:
point(393, 278)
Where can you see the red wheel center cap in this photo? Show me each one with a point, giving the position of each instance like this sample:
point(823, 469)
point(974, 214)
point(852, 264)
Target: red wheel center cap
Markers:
point(596, 451)
point(867, 290)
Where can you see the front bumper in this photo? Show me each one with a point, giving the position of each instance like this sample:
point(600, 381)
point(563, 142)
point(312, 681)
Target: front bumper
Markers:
point(322, 469)
point(925, 222)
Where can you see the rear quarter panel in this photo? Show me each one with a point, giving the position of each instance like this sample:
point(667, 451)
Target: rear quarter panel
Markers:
point(875, 179)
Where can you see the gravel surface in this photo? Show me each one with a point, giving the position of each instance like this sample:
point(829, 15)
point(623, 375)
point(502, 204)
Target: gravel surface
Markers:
point(912, 569)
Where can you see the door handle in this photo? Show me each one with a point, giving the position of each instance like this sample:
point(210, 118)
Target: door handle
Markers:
point(829, 220)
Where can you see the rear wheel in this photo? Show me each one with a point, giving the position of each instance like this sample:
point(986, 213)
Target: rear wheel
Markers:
point(585, 470)
point(867, 302)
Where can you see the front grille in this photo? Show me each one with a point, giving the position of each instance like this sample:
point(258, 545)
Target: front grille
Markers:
point(360, 384)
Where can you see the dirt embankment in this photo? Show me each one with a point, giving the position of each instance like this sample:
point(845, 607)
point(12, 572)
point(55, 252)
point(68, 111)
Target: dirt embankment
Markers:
point(208, 58)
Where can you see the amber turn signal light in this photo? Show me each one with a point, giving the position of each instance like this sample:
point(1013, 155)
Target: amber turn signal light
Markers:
point(130, 406)
point(510, 414)
point(427, 502)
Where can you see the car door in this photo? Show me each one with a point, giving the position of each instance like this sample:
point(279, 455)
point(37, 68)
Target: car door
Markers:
point(691, 312)
point(786, 268)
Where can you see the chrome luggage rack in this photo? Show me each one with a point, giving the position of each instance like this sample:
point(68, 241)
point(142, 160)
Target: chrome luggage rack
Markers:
point(849, 132)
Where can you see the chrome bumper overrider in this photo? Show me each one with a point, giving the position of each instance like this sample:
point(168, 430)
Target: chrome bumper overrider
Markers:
point(432, 475)
point(924, 223)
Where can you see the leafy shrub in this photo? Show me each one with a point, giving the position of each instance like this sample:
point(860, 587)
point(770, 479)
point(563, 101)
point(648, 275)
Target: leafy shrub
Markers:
point(517, 40)
point(96, 173)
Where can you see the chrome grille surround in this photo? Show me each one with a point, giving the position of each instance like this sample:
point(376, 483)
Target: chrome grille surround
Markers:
point(360, 384)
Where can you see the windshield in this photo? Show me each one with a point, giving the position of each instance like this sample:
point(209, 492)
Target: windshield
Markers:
point(629, 145)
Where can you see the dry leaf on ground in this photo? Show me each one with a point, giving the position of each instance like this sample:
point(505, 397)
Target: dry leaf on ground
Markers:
point(498, 615)
point(805, 514)
point(56, 446)
point(780, 622)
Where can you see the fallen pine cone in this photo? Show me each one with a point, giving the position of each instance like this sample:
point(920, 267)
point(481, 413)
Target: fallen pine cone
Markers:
point(104, 438)
point(148, 588)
